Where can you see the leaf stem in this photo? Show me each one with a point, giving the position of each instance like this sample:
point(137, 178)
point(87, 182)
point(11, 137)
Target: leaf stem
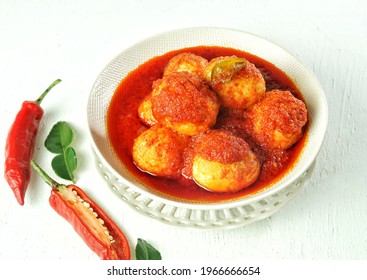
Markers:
point(39, 99)
point(51, 182)
point(70, 172)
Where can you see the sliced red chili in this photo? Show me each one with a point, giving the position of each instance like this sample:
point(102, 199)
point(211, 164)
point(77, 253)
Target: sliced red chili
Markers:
point(20, 143)
point(92, 224)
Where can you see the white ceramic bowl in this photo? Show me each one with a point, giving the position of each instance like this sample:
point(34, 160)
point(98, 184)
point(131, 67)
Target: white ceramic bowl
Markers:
point(202, 215)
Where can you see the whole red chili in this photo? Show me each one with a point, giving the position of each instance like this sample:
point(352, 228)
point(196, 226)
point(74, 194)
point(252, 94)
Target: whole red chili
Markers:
point(92, 224)
point(20, 145)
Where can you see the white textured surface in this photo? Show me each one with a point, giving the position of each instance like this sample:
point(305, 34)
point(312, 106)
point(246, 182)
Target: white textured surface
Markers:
point(45, 40)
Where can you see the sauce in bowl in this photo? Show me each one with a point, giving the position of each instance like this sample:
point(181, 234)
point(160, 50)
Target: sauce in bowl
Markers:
point(124, 125)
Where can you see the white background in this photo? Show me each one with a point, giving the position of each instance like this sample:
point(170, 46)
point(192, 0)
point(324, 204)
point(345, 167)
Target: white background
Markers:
point(41, 41)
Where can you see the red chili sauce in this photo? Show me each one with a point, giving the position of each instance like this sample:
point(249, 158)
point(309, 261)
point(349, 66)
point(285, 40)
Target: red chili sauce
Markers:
point(124, 126)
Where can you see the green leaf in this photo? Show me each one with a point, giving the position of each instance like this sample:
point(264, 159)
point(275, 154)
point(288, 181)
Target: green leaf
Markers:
point(145, 251)
point(60, 137)
point(58, 141)
point(65, 164)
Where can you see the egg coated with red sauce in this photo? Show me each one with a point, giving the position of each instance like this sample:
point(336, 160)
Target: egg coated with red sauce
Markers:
point(181, 101)
point(219, 161)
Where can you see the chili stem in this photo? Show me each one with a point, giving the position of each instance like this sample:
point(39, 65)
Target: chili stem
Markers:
point(39, 99)
point(51, 182)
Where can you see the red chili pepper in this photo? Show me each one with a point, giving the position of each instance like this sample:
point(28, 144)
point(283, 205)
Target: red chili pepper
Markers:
point(20, 145)
point(92, 224)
